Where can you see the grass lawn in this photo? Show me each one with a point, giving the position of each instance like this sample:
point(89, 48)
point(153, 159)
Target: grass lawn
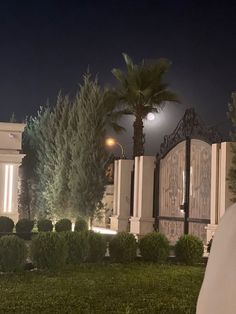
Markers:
point(103, 288)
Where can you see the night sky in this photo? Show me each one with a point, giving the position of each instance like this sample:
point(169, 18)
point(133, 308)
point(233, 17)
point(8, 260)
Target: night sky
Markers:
point(47, 45)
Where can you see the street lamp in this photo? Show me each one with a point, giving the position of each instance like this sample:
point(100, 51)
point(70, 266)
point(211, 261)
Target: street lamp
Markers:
point(112, 142)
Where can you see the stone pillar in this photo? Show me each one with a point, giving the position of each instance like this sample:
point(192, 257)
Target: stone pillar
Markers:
point(142, 220)
point(220, 192)
point(122, 191)
point(225, 194)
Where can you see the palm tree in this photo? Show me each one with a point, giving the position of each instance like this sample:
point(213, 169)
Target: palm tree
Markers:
point(141, 91)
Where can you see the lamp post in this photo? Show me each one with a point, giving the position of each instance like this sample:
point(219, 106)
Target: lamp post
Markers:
point(112, 142)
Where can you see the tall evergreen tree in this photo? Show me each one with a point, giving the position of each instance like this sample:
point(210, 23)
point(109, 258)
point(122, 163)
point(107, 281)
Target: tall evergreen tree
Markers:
point(31, 200)
point(93, 111)
point(64, 170)
point(232, 171)
point(58, 193)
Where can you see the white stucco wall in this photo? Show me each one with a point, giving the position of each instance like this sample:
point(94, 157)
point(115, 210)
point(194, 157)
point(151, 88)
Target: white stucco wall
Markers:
point(10, 160)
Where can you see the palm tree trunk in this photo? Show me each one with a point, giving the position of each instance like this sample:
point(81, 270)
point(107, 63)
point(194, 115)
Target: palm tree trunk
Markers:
point(138, 138)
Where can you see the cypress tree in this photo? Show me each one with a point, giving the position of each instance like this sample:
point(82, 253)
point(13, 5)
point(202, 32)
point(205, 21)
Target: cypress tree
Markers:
point(64, 167)
point(31, 200)
point(58, 189)
point(52, 167)
point(89, 157)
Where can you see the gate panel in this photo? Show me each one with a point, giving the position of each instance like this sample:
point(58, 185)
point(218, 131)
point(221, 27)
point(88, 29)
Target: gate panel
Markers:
point(198, 230)
point(184, 178)
point(172, 229)
point(200, 188)
point(171, 192)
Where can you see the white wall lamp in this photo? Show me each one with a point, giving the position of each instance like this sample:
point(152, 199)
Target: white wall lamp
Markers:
point(8, 188)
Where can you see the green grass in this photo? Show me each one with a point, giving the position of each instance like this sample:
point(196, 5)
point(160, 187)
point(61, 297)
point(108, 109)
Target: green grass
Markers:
point(103, 288)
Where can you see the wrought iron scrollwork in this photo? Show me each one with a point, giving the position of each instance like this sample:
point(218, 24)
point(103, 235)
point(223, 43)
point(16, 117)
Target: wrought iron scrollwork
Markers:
point(190, 126)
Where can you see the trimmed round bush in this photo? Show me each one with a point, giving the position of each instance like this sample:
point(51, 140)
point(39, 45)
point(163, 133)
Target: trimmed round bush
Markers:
point(49, 250)
point(78, 247)
point(81, 225)
point(97, 247)
point(123, 247)
point(13, 253)
point(6, 224)
point(44, 225)
point(154, 247)
point(63, 225)
point(189, 249)
point(24, 226)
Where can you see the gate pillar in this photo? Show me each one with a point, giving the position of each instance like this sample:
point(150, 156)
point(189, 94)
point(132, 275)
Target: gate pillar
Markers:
point(142, 221)
point(220, 192)
point(122, 190)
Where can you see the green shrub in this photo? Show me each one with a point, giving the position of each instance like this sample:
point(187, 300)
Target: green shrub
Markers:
point(123, 247)
point(77, 243)
point(13, 253)
point(189, 249)
point(63, 225)
point(81, 224)
point(97, 247)
point(44, 225)
point(49, 250)
point(154, 247)
point(6, 224)
point(24, 226)
point(209, 245)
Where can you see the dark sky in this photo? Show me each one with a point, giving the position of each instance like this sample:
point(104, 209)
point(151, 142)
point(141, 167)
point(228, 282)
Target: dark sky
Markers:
point(47, 45)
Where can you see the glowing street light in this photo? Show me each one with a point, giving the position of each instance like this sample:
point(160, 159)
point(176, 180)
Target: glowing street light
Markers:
point(112, 142)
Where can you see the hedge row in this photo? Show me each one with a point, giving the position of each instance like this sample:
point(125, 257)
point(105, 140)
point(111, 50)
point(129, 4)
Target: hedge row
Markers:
point(43, 225)
point(56, 249)
point(52, 250)
point(154, 247)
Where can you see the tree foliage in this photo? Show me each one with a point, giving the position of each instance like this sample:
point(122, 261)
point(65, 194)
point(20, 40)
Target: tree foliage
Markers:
point(232, 170)
point(64, 168)
point(89, 158)
point(142, 90)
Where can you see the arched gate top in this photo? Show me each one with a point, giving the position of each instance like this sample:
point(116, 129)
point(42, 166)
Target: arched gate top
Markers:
point(190, 126)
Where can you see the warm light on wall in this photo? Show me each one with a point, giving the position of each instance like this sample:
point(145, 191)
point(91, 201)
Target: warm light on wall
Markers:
point(8, 187)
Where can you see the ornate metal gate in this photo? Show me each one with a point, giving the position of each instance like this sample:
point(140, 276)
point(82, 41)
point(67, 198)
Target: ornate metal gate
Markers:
point(182, 181)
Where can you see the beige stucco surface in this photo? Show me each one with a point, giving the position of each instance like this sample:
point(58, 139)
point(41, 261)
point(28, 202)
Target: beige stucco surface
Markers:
point(142, 220)
point(122, 191)
point(218, 292)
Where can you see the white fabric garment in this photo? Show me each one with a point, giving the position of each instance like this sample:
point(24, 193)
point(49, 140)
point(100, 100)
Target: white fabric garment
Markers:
point(218, 292)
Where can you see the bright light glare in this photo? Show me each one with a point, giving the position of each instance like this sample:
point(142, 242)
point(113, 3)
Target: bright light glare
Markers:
point(110, 142)
point(150, 116)
point(5, 188)
point(103, 230)
point(8, 189)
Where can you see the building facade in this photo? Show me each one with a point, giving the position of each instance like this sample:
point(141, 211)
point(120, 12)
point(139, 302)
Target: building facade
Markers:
point(10, 160)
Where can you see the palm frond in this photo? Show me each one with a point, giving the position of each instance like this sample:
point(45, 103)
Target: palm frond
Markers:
point(117, 128)
point(142, 88)
point(118, 75)
point(128, 61)
point(165, 96)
